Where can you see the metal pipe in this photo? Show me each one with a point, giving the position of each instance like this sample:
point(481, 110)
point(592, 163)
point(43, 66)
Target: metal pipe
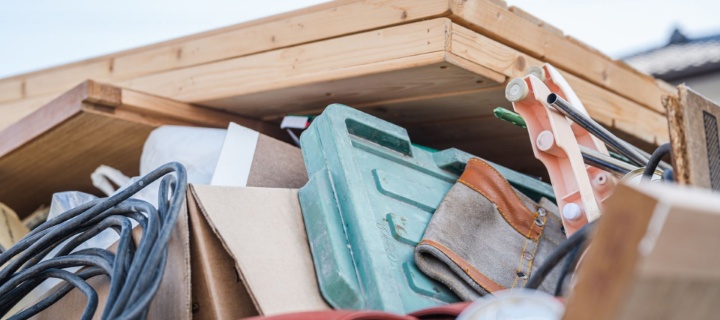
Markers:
point(608, 163)
point(596, 129)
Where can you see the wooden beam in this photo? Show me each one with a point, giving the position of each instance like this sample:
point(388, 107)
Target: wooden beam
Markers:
point(57, 147)
point(535, 20)
point(527, 36)
point(408, 62)
point(391, 63)
point(695, 142)
point(11, 89)
point(279, 31)
point(651, 257)
point(605, 107)
point(11, 112)
point(492, 18)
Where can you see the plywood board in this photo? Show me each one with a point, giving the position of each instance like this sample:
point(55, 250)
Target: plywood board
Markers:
point(279, 31)
point(528, 36)
point(57, 147)
point(695, 142)
point(256, 81)
point(609, 109)
point(413, 62)
point(511, 26)
point(652, 257)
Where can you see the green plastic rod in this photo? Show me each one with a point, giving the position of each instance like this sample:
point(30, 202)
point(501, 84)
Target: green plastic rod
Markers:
point(509, 116)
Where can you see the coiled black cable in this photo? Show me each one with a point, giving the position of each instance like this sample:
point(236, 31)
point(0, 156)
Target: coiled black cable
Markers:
point(135, 270)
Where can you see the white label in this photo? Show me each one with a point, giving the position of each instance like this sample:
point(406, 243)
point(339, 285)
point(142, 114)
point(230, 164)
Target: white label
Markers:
point(294, 122)
point(236, 156)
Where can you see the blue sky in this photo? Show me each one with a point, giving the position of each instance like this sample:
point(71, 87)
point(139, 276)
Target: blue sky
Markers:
point(36, 34)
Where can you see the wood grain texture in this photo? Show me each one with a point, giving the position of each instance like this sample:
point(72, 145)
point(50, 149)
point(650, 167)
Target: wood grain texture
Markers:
point(279, 31)
point(385, 50)
point(535, 20)
point(409, 62)
point(652, 257)
point(511, 26)
point(11, 89)
point(527, 36)
point(11, 112)
point(605, 107)
point(57, 147)
point(685, 116)
point(403, 63)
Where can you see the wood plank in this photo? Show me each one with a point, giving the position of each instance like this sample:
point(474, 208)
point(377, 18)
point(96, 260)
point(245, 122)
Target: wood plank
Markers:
point(504, 26)
point(279, 31)
point(651, 257)
point(395, 61)
point(437, 108)
point(399, 66)
point(58, 146)
point(359, 71)
point(535, 20)
point(401, 63)
point(310, 24)
point(605, 107)
point(12, 89)
point(363, 86)
point(56, 81)
point(693, 122)
point(17, 109)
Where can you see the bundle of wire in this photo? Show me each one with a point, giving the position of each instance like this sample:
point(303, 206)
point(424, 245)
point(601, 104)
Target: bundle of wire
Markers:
point(135, 270)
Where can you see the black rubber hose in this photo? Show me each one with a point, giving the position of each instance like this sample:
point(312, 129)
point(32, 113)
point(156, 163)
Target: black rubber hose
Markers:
point(72, 279)
point(135, 270)
point(159, 248)
point(577, 239)
point(22, 290)
point(568, 267)
point(655, 159)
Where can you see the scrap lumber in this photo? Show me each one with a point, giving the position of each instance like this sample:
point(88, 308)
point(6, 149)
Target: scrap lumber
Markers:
point(653, 256)
point(57, 147)
point(11, 112)
point(695, 142)
point(527, 36)
point(535, 20)
point(492, 19)
point(284, 30)
point(412, 62)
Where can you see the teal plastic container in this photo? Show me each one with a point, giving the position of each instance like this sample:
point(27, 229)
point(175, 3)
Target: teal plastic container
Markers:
point(370, 196)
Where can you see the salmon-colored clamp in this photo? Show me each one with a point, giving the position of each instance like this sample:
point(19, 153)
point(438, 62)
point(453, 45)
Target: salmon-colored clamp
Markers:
point(557, 143)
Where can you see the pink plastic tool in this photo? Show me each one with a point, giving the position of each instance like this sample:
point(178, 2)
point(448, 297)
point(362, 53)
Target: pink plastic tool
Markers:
point(556, 142)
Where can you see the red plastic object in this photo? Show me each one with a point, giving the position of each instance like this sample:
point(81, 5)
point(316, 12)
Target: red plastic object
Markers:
point(437, 313)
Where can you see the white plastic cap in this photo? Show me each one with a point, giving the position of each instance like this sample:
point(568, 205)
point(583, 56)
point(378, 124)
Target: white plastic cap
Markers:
point(572, 212)
point(545, 140)
point(516, 90)
point(538, 72)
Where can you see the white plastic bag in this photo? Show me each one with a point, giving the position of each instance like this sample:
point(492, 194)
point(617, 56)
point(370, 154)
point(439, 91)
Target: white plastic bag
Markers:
point(198, 149)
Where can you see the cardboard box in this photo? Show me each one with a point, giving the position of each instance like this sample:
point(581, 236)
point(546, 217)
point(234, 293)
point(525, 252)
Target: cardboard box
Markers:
point(250, 253)
point(249, 158)
point(11, 228)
